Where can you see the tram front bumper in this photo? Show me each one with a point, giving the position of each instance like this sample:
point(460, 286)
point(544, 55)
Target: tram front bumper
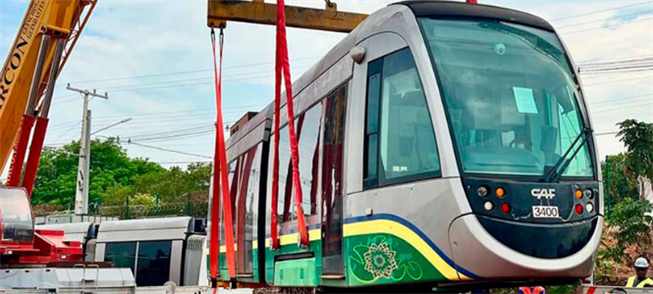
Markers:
point(488, 257)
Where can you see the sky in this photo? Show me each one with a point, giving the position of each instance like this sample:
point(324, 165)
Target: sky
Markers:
point(154, 59)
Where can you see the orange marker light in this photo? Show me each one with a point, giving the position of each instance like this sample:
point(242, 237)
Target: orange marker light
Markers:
point(500, 192)
point(579, 194)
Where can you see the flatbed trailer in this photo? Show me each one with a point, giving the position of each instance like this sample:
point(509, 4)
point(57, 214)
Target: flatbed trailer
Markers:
point(597, 289)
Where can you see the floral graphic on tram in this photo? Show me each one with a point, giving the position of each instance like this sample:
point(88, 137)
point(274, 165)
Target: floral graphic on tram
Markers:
point(386, 259)
point(380, 260)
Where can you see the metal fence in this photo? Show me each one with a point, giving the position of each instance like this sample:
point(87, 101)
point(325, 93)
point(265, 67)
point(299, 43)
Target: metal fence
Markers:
point(126, 211)
point(197, 209)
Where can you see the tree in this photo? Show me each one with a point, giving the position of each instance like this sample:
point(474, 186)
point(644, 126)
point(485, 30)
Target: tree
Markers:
point(116, 195)
point(143, 200)
point(175, 184)
point(114, 177)
point(633, 230)
point(638, 138)
point(619, 183)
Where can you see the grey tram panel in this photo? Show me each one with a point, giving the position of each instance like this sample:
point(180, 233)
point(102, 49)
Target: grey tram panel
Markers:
point(173, 229)
point(396, 27)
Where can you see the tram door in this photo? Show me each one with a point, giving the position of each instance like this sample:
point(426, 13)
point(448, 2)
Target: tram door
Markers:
point(332, 181)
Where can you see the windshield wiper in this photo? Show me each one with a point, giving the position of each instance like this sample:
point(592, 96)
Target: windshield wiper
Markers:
point(561, 165)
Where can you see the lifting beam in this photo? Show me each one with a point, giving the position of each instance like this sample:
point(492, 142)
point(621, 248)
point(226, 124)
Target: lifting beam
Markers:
point(256, 11)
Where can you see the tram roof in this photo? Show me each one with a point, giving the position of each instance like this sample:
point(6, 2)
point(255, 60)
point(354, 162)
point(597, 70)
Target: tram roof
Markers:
point(146, 224)
point(453, 9)
point(456, 9)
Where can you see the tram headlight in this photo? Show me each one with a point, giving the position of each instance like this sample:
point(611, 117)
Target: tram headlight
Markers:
point(488, 205)
point(589, 193)
point(589, 207)
point(483, 191)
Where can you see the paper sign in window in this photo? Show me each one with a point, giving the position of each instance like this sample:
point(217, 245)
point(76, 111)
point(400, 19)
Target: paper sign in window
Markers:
point(525, 100)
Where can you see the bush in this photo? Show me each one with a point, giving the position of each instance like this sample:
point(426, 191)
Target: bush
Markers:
point(633, 233)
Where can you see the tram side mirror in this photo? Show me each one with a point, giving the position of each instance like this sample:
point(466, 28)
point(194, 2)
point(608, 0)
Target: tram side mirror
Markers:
point(357, 54)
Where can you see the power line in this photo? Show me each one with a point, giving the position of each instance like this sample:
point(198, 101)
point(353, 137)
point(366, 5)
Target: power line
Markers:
point(607, 26)
point(119, 87)
point(68, 131)
point(604, 19)
point(634, 60)
point(619, 71)
point(621, 98)
point(599, 11)
point(177, 136)
point(187, 72)
point(194, 84)
point(200, 110)
point(630, 114)
point(162, 149)
point(168, 150)
point(182, 162)
point(615, 60)
point(606, 133)
point(616, 81)
point(648, 103)
point(624, 66)
point(617, 66)
point(184, 131)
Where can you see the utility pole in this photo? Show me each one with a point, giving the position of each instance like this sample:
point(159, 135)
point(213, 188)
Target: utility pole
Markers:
point(81, 193)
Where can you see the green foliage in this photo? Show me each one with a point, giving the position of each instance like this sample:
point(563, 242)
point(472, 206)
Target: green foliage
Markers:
point(116, 195)
point(114, 177)
point(632, 231)
point(638, 138)
point(562, 289)
point(619, 184)
point(142, 199)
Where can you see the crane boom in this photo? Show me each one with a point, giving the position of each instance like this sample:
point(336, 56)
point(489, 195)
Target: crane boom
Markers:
point(57, 18)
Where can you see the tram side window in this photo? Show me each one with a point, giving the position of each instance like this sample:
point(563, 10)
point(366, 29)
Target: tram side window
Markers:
point(399, 137)
point(307, 126)
point(233, 178)
point(285, 176)
point(121, 254)
point(308, 132)
point(246, 197)
point(153, 263)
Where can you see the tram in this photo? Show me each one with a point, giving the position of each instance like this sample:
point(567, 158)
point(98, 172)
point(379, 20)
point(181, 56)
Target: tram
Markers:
point(156, 250)
point(440, 143)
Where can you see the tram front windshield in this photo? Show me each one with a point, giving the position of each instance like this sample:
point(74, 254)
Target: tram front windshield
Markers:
point(510, 96)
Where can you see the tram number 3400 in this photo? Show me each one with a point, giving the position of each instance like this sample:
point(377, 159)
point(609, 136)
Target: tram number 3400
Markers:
point(545, 212)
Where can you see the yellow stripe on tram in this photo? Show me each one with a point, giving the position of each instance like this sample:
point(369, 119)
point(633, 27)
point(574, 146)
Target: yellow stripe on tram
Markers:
point(379, 226)
point(223, 248)
point(313, 235)
point(382, 226)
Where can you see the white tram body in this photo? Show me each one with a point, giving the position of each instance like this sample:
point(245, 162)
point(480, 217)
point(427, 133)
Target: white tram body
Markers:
point(446, 141)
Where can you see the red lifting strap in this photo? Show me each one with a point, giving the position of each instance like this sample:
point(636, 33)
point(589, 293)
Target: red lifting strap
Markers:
point(282, 65)
point(220, 180)
point(32, 166)
point(20, 149)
